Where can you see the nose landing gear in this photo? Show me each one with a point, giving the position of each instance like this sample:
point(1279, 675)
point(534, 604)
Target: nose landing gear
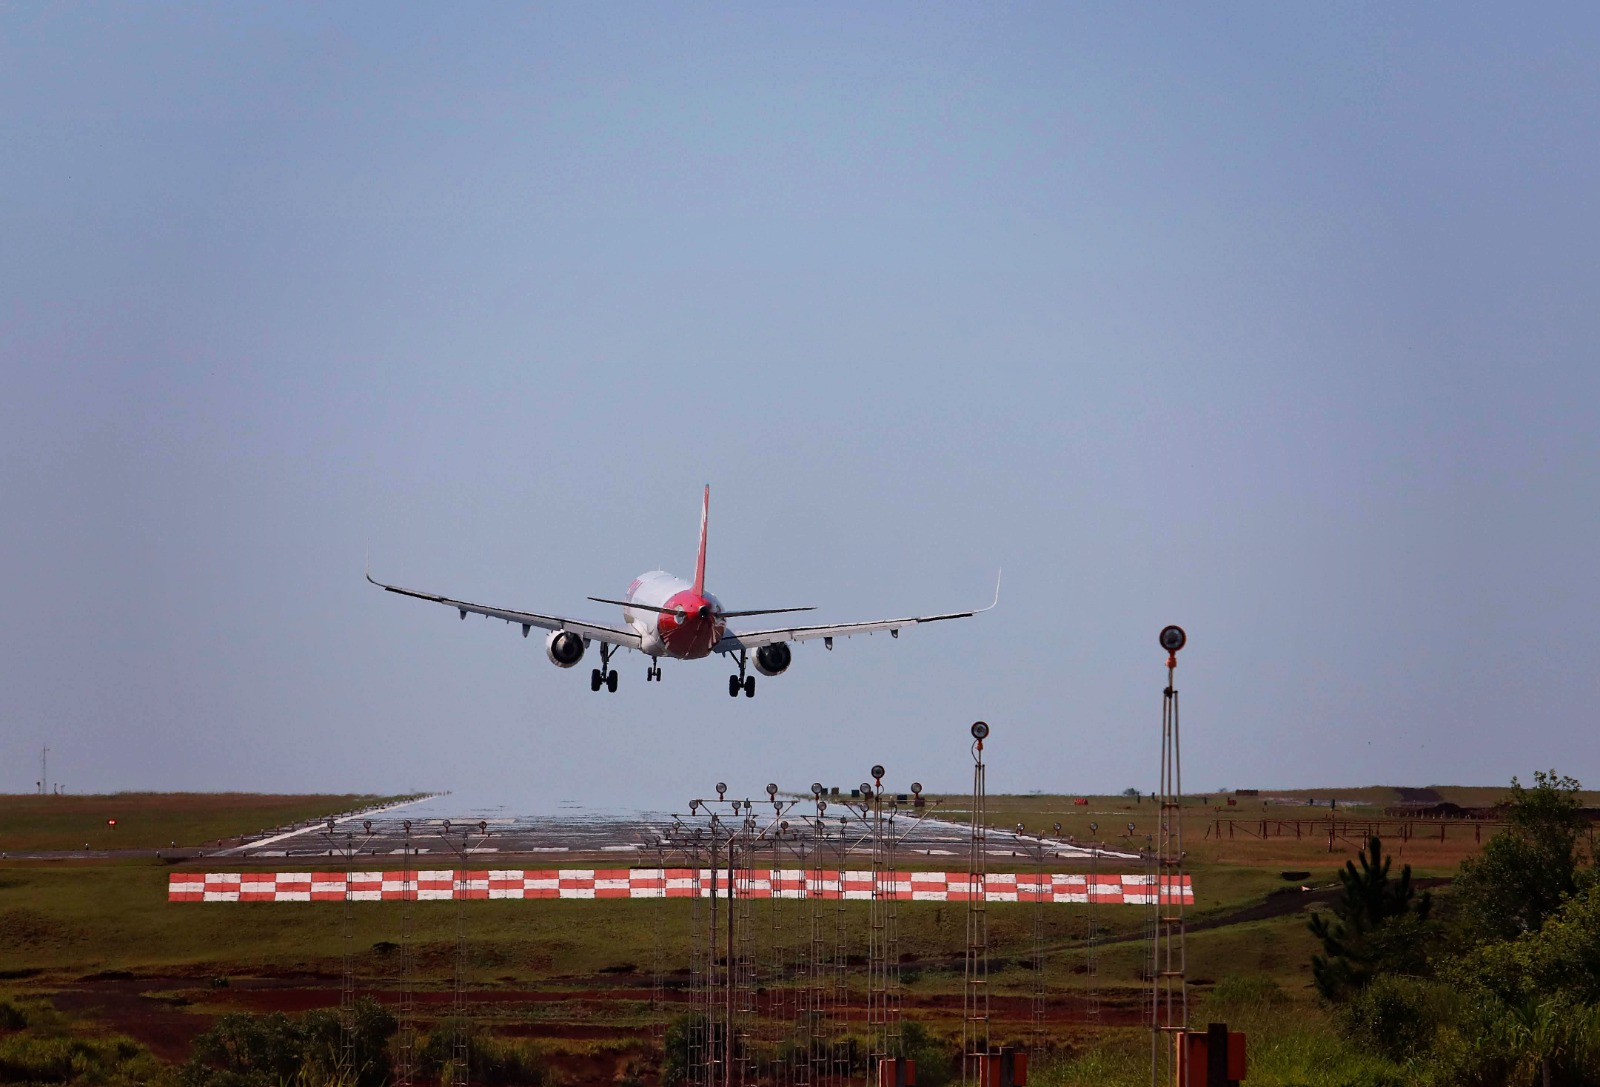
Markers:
point(742, 682)
point(604, 676)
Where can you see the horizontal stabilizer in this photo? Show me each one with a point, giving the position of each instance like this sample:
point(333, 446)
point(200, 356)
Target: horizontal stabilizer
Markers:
point(672, 611)
point(762, 611)
point(632, 604)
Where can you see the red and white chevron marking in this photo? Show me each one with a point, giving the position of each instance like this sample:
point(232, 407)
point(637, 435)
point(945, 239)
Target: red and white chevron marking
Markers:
point(442, 885)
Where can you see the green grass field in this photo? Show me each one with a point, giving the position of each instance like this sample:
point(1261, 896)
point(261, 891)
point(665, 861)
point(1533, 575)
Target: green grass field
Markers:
point(101, 939)
point(155, 820)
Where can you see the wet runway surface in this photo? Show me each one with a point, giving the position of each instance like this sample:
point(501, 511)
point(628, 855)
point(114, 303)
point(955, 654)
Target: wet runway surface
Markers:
point(441, 827)
point(627, 838)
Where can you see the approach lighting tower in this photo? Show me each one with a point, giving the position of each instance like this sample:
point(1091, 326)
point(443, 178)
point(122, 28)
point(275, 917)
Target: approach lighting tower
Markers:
point(975, 993)
point(1169, 1005)
point(347, 847)
point(463, 848)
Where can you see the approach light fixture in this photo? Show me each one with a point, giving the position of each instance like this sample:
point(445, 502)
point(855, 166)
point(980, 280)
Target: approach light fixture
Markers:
point(877, 773)
point(816, 788)
point(772, 789)
point(916, 788)
point(980, 730)
point(1173, 638)
point(722, 790)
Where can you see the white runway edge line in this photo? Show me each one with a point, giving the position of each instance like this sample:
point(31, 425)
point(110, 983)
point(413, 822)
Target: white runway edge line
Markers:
point(594, 883)
point(322, 824)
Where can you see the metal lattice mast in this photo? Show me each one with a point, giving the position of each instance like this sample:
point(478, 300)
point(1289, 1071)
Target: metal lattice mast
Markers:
point(460, 1042)
point(658, 949)
point(699, 986)
point(1091, 940)
point(1152, 943)
point(780, 1011)
point(458, 1005)
point(877, 935)
point(731, 937)
point(839, 1003)
point(805, 964)
point(1169, 995)
point(891, 942)
point(1040, 892)
point(716, 1000)
point(406, 1066)
point(347, 988)
point(744, 996)
point(975, 993)
point(821, 961)
point(347, 848)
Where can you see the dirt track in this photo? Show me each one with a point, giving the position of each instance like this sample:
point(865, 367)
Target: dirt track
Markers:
point(166, 1023)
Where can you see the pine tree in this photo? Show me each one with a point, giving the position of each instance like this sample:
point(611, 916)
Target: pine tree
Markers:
point(1373, 925)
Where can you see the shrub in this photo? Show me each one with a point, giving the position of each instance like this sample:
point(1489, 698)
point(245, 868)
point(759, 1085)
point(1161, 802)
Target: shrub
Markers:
point(936, 1058)
point(245, 1050)
point(113, 1061)
point(1398, 1017)
point(12, 1016)
point(490, 1062)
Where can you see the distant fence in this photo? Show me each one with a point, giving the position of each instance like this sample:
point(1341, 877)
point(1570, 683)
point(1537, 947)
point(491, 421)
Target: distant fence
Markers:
point(1354, 830)
point(592, 883)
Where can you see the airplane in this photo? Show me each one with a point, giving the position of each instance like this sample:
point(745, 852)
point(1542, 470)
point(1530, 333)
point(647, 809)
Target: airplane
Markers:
point(665, 616)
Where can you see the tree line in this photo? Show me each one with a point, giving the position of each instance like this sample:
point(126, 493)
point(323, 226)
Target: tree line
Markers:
point(1496, 982)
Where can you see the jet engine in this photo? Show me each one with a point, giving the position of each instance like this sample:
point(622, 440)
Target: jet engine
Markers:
point(564, 648)
point(773, 660)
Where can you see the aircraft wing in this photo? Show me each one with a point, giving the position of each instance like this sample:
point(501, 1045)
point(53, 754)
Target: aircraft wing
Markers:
point(733, 641)
point(587, 631)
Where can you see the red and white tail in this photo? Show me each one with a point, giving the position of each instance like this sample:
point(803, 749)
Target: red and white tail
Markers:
point(700, 563)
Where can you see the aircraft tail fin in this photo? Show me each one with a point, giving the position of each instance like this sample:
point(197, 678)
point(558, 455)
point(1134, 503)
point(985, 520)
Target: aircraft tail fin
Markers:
point(700, 562)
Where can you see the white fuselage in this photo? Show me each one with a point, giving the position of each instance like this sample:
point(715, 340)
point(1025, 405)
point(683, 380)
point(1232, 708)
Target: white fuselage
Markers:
point(687, 627)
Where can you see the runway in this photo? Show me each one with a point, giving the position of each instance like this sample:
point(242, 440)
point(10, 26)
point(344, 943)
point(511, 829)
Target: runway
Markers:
point(622, 838)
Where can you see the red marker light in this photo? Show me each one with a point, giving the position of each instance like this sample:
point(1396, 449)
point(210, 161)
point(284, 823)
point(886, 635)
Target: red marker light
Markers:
point(111, 822)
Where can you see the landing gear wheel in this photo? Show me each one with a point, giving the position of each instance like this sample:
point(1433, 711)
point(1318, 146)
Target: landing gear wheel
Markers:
point(603, 676)
point(733, 686)
point(749, 686)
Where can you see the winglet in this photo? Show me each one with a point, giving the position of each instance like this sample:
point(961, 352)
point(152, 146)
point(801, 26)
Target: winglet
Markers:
point(700, 563)
point(997, 575)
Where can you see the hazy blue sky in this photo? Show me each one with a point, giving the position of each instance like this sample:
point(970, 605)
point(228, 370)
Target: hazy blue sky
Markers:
point(1275, 321)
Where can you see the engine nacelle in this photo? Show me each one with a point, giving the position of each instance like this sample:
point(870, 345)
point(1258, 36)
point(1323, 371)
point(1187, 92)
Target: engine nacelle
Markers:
point(773, 660)
point(564, 648)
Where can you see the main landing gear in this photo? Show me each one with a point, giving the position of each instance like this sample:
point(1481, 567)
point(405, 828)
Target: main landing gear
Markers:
point(741, 682)
point(604, 676)
point(653, 672)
